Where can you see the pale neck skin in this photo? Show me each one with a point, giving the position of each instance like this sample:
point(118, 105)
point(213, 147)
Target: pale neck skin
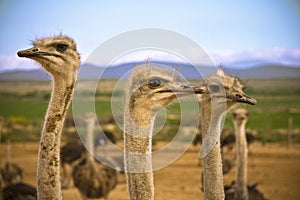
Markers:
point(48, 173)
point(8, 153)
point(89, 137)
point(138, 124)
point(212, 163)
point(241, 161)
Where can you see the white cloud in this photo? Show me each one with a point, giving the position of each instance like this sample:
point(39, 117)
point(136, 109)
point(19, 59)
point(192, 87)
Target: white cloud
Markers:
point(12, 62)
point(274, 55)
point(139, 55)
point(195, 56)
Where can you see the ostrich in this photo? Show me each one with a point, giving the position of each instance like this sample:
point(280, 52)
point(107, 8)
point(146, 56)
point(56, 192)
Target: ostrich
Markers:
point(220, 93)
point(18, 191)
point(14, 189)
point(59, 57)
point(239, 190)
point(239, 121)
point(11, 172)
point(149, 88)
point(92, 178)
point(70, 153)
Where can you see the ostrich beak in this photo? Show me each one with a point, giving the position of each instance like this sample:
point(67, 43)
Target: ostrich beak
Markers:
point(28, 52)
point(242, 98)
point(34, 52)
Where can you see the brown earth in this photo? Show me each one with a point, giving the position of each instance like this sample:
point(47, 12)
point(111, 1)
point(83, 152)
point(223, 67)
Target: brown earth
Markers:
point(275, 167)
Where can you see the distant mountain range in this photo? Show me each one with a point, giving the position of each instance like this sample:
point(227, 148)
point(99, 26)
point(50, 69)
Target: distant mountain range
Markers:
point(89, 71)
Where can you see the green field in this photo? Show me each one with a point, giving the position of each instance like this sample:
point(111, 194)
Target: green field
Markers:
point(277, 100)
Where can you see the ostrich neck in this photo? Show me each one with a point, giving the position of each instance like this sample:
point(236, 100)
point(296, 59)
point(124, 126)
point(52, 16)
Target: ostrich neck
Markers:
point(138, 126)
point(90, 139)
point(8, 153)
point(241, 162)
point(48, 175)
point(212, 163)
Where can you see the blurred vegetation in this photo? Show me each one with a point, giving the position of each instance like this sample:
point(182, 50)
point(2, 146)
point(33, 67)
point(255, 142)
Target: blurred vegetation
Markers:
point(23, 110)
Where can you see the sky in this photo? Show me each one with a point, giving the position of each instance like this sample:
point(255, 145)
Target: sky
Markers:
point(231, 32)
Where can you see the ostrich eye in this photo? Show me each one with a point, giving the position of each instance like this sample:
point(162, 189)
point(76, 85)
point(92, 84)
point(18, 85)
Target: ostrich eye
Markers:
point(61, 47)
point(154, 83)
point(214, 88)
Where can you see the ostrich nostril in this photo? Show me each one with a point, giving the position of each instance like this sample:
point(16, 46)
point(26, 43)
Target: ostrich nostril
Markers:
point(238, 96)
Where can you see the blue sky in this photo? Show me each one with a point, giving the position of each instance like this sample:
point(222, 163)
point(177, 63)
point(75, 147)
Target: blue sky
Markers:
point(231, 32)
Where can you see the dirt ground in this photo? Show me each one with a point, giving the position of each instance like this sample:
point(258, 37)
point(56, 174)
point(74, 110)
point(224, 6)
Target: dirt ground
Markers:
point(275, 167)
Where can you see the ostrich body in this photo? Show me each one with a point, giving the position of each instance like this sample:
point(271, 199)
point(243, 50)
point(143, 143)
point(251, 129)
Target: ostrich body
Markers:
point(59, 57)
point(230, 139)
point(92, 178)
point(16, 191)
point(72, 150)
point(70, 154)
point(149, 89)
point(221, 92)
point(239, 190)
point(254, 193)
point(19, 191)
point(11, 172)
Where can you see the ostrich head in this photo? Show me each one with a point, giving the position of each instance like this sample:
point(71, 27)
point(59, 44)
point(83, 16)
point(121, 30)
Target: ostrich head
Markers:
point(240, 116)
point(221, 88)
point(220, 92)
point(152, 87)
point(57, 55)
